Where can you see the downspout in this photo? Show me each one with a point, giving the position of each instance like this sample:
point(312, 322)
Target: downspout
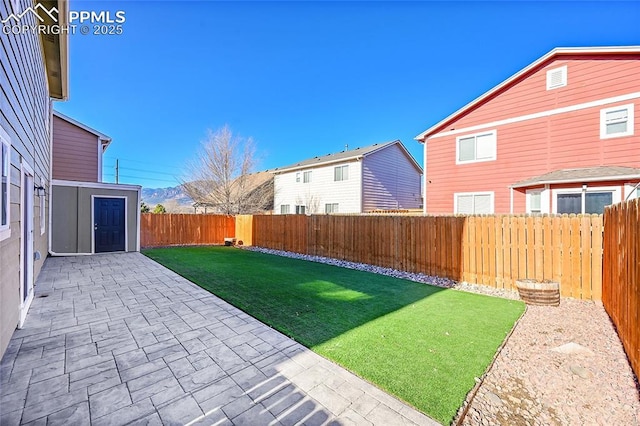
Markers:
point(50, 183)
point(361, 185)
point(99, 159)
point(424, 179)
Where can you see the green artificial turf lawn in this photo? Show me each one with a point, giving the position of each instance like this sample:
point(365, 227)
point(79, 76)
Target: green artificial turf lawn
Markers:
point(420, 343)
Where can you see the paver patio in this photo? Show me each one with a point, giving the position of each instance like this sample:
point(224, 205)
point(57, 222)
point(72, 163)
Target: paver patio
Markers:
point(119, 339)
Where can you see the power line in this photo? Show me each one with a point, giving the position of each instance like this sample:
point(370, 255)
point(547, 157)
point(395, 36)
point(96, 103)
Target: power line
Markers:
point(148, 171)
point(142, 178)
point(146, 163)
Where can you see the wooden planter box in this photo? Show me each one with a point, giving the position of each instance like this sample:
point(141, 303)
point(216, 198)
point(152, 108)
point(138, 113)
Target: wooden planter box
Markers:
point(533, 292)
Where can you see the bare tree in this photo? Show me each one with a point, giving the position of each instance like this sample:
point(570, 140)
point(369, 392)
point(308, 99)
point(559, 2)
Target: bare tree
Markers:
point(221, 175)
point(310, 202)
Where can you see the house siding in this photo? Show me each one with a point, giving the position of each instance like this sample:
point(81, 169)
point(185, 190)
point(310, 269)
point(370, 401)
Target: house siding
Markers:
point(390, 181)
point(75, 152)
point(25, 115)
point(536, 146)
point(321, 190)
point(588, 79)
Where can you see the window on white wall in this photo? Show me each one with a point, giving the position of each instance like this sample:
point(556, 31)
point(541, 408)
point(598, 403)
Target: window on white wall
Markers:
point(298, 177)
point(5, 152)
point(475, 148)
point(616, 121)
point(285, 209)
point(557, 77)
point(534, 201)
point(331, 208)
point(306, 177)
point(341, 173)
point(301, 209)
point(474, 203)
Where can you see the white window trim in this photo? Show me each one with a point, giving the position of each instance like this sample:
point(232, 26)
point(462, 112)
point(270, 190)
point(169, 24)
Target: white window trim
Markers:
point(298, 180)
point(615, 197)
point(494, 132)
point(490, 193)
point(337, 208)
point(304, 176)
point(530, 192)
point(630, 121)
point(5, 230)
point(564, 75)
point(288, 208)
point(342, 172)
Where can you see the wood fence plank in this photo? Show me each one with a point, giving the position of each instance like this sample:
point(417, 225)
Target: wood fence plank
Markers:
point(514, 273)
point(596, 257)
point(585, 256)
point(530, 247)
point(547, 247)
point(538, 247)
point(567, 269)
point(498, 253)
point(522, 248)
point(489, 254)
point(474, 248)
point(576, 256)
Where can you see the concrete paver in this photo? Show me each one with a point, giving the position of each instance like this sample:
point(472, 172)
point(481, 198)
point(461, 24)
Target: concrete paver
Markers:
point(118, 339)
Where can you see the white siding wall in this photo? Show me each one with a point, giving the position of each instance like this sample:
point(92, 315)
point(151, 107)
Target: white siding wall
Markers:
point(25, 117)
point(390, 181)
point(321, 190)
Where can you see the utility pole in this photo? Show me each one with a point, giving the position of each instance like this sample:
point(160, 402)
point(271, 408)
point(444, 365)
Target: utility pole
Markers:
point(117, 168)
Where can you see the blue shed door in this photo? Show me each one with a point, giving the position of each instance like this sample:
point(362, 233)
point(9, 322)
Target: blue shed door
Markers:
point(109, 226)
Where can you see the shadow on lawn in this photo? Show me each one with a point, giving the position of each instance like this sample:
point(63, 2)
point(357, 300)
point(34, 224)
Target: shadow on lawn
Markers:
point(311, 302)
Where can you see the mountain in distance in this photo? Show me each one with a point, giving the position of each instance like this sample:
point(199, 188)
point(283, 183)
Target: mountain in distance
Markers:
point(171, 196)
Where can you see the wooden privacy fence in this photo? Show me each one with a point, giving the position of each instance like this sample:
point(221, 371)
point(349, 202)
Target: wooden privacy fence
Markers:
point(489, 250)
point(157, 230)
point(621, 272)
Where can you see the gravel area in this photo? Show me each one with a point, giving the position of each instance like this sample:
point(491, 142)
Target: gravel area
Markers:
point(561, 365)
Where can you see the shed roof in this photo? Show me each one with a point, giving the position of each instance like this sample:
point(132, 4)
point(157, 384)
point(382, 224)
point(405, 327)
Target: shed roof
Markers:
point(586, 174)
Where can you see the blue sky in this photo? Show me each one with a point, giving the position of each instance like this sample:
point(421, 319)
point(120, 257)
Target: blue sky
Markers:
point(305, 78)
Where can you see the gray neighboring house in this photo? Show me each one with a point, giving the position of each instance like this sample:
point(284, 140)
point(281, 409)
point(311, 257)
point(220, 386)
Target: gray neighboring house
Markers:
point(33, 73)
point(382, 176)
point(88, 216)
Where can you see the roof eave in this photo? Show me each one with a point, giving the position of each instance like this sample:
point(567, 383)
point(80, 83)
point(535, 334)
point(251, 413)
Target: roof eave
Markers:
point(83, 126)
point(557, 51)
point(55, 50)
point(578, 180)
point(311, 166)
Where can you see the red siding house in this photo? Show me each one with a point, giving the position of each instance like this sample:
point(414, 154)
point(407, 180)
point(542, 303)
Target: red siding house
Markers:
point(560, 136)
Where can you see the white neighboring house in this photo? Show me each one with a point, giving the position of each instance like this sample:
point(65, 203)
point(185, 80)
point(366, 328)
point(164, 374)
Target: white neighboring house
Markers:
point(383, 176)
